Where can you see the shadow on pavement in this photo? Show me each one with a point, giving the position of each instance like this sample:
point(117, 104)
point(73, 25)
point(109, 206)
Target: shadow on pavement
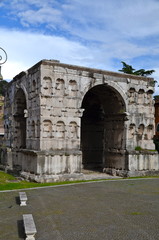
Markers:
point(20, 227)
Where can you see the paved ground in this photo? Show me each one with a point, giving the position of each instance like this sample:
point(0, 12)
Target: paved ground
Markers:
point(92, 175)
point(114, 210)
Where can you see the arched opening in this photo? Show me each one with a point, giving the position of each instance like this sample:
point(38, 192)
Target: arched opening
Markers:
point(103, 129)
point(19, 120)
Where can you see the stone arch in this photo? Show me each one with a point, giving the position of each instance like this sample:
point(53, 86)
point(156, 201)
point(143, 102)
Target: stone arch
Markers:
point(73, 88)
point(104, 116)
point(47, 85)
point(112, 85)
point(60, 87)
point(20, 105)
point(25, 93)
point(47, 129)
point(60, 129)
point(73, 130)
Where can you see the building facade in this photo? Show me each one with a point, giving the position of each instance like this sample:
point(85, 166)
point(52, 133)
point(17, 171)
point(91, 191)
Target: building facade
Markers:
point(61, 119)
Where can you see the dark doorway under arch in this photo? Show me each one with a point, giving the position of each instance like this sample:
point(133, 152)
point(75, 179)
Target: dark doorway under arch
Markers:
point(103, 129)
point(19, 120)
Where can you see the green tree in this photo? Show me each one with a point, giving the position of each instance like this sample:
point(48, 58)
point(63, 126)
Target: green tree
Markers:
point(3, 86)
point(130, 70)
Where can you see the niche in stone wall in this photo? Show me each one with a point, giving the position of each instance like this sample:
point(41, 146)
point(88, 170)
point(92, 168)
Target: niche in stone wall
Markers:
point(47, 129)
point(149, 97)
point(141, 94)
point(60, 87)
point(73, 88)
point(47, 85)
point(73, 130)
point(60, 129)
point(140, 131)
point(132, 129)
point(150, 132)
point(34, 86)
point(131, 95)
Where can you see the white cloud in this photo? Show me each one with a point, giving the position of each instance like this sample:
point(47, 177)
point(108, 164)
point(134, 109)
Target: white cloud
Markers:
point(24, 49)
point(136, 19)
point(89, 33)
point(43, 15)
point(12, 68)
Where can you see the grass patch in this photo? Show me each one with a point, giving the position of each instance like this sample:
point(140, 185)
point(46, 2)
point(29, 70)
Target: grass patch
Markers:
point(9, 182)
point(24, 184)
point(138, 148)
point(4, 177)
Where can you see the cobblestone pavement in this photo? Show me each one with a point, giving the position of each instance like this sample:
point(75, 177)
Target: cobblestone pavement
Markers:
point(116, 210)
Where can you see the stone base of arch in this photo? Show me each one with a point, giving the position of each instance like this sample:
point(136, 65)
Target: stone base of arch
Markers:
point(49, 178)
point(143, 163)
point(138, 164)
point(45, 166)
point(53, 166)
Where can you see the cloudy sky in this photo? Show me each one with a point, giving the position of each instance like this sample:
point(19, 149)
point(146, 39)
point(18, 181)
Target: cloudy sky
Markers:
point(98, 34)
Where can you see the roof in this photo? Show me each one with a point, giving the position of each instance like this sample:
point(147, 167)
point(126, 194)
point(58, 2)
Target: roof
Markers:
point(82, 68)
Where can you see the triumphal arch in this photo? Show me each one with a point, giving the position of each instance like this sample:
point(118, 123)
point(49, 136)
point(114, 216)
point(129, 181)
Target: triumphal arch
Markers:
point(61, 119)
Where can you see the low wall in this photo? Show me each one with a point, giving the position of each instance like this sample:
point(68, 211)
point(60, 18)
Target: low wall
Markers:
point(143, 163)
point(137, 163)
point(47, 166)
point(50, 166)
